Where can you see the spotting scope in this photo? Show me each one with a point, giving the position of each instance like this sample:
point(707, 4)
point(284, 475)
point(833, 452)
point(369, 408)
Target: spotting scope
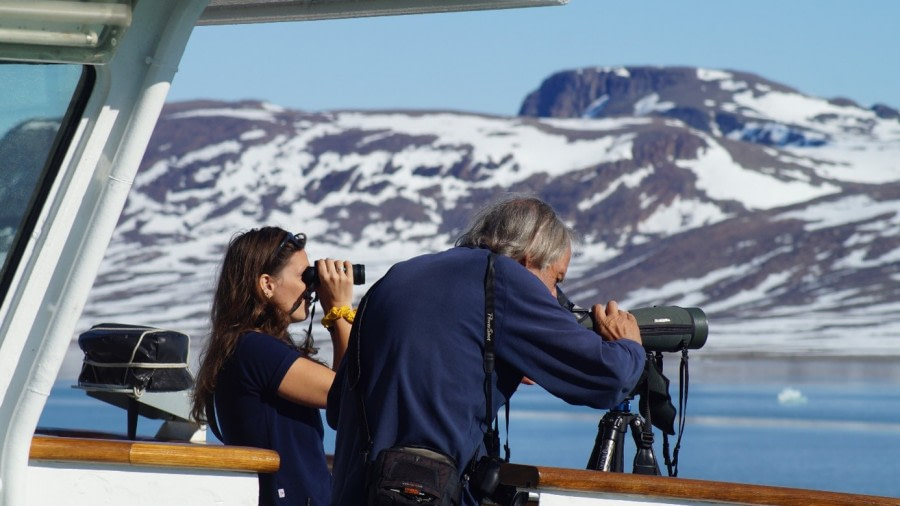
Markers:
point(663, 328)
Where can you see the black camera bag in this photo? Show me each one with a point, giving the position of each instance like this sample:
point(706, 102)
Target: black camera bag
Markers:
point(407, 475)
point(135, 357)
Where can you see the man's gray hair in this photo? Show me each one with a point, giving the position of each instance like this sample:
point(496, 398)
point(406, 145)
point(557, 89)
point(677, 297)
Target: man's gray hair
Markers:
point(520, 227)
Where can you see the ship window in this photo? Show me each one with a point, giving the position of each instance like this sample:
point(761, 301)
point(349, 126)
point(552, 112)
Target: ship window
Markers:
point(39, 109)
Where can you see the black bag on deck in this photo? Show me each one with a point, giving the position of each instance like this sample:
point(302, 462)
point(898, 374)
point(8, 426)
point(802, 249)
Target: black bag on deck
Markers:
point(136, 357)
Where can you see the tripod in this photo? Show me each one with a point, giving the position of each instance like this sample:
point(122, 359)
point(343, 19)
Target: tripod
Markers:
point(608, 453)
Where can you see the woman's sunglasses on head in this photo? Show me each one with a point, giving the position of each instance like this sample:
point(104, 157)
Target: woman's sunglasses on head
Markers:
point(298, 240)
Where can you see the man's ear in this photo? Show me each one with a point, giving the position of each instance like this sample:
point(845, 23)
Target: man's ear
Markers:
point(531, 265)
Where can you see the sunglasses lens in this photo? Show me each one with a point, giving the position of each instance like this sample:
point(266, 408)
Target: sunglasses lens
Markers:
point(298, 240)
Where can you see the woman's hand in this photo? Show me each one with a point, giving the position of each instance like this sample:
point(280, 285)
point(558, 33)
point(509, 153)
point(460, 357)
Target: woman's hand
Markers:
point(335, 290)
point(335, 283)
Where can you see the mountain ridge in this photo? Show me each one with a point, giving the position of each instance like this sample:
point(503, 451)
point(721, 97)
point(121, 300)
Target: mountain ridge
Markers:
point(771, 233)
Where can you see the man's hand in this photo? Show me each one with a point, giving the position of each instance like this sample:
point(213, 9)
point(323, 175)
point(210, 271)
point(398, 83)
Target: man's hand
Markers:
point(613, 323)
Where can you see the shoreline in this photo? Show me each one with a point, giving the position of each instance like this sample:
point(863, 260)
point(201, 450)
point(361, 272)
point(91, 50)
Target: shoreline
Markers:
point(722, 367)
point(771, 368)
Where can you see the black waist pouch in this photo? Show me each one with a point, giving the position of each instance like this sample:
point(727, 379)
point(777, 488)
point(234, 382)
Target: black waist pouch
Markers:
point(406, 475)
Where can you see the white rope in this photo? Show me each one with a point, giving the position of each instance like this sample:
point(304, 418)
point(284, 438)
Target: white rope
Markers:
point(142, 365)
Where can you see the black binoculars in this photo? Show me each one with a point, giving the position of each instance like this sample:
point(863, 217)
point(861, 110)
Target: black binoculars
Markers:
point(311, 275)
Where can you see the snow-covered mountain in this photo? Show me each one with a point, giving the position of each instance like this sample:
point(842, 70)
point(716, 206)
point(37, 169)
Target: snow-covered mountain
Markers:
point(776, 212)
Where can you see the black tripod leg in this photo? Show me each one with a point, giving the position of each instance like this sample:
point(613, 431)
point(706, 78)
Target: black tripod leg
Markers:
point(607, 454)
point(601, 446)
point(644, 460)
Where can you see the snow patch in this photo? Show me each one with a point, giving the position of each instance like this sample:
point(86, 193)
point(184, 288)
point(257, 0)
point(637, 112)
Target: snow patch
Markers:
point(713, 75)
point(651, 104)
point(250, 135)
point(248, 114)
point(852, 209)
point(596, 107)
point(722, 178)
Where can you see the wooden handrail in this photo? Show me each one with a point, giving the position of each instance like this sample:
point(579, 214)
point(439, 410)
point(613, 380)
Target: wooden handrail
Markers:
point(556, 479)
point(255, 460)
point(154, 454)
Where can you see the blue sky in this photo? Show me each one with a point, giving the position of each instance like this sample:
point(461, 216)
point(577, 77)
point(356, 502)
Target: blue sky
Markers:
point(489, 61)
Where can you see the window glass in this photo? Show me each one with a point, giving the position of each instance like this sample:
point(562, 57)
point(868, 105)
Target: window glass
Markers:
point(35, 102)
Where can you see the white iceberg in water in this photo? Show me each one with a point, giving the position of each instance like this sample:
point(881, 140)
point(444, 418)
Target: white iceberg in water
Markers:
point(791, 396)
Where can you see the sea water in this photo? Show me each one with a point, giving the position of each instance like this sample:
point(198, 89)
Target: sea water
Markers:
point(831, 431)
point(842, 438)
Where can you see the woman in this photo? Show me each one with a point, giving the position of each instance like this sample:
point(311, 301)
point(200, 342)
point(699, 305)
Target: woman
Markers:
point(267, 391)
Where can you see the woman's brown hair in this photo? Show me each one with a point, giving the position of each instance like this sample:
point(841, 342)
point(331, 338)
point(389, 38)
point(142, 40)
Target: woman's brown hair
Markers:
point(240, 306)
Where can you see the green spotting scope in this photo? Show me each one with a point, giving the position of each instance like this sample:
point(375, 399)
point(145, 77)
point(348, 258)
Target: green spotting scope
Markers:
point(663, 328)
point(672, 328)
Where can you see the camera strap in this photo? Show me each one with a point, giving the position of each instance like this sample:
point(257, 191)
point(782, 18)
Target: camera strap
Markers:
point(492, 435)
point(683, 383)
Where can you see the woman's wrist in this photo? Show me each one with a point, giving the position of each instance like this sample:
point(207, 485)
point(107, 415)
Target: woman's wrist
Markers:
point(336, 313)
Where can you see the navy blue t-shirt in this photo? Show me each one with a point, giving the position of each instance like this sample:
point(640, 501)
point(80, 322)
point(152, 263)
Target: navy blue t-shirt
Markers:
point(250, 413)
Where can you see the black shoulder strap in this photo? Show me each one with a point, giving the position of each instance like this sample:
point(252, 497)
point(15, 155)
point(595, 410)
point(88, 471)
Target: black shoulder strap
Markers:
point(354, 373)
point(491, 436)
point(210, 405)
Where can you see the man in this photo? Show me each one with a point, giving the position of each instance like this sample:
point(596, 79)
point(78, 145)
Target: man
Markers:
point(416, 360)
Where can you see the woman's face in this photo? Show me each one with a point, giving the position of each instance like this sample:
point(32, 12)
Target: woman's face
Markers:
point(288, 290)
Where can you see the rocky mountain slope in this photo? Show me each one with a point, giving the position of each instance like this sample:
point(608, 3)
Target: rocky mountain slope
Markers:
point(775, 212)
